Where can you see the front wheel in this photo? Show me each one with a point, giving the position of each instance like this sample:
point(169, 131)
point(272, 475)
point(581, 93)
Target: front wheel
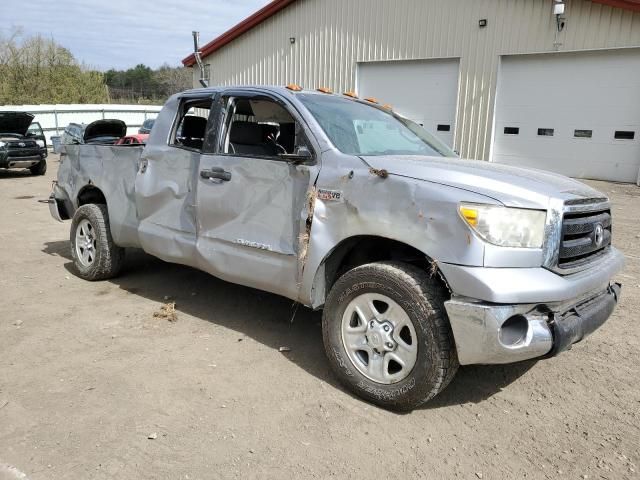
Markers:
point(94, 254)
point(387, 335)
point(40, 168)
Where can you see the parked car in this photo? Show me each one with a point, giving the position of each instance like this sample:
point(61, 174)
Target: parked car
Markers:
point(20, 147)
point(138, 139)
point(107, 131)
point(147, 125)
point(72, 134)
point(421, 261)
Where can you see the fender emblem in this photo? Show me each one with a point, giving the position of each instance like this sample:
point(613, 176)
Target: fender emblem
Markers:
point(248, 243)
point(329, 195)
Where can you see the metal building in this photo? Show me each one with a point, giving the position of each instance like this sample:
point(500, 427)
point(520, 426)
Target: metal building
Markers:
point(545, 83)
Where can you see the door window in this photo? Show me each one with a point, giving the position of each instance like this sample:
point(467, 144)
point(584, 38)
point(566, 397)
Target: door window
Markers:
point(191, 125)
point(258, 127)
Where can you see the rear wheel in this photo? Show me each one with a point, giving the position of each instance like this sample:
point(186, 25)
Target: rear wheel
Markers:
point(387, 334)
point(95, 256)
point(40, 168)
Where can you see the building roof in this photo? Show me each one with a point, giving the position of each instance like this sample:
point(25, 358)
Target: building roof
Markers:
point(277, 5)
point(627, 4)
point(241, 28)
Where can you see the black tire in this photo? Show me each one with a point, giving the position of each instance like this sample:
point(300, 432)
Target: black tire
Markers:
point(422, 297)
point(40, 168)
point(108, 256)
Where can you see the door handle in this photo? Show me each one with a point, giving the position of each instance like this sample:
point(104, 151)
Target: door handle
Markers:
point(216, 173)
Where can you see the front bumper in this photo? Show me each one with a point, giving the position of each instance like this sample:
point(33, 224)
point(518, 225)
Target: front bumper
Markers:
point(530, 285)
point(7, 161)
point(487, 333)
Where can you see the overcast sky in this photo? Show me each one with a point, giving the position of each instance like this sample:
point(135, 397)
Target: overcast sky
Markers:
point(122, 33)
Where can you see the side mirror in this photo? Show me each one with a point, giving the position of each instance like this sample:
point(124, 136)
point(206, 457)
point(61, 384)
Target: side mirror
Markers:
point(301, 155)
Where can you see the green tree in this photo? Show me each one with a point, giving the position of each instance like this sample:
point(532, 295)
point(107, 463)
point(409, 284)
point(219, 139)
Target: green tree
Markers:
point(141, 83)
point(36, 70)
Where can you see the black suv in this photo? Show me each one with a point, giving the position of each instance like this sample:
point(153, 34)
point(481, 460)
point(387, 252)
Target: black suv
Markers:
point(22, 143)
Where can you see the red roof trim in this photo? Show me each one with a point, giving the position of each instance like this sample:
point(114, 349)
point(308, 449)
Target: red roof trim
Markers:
point(626, 4)
point(241, 28)
point(277, 5)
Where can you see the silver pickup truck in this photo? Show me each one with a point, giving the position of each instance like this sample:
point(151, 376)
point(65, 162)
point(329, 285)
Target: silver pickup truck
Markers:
point(420, 260)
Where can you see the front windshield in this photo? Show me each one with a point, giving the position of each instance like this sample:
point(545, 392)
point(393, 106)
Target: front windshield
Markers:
point(356, 128)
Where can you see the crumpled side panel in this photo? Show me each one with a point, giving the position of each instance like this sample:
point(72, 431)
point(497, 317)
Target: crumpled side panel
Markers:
point(353, 201)
point(165, 199)
point(111, 169)
point(249, 227)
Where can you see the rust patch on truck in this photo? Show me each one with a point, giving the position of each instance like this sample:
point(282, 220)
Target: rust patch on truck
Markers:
point(382, 173)
point(310, 203)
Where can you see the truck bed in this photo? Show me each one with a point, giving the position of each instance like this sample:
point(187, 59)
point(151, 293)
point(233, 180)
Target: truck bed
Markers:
point(112, 170)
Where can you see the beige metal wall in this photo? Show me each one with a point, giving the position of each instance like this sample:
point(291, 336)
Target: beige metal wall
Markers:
point(332, 36)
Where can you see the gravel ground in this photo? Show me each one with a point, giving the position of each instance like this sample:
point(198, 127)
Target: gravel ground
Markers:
point(94, 386)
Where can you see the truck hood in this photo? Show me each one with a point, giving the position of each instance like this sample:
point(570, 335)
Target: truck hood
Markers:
point(104, 131)
point(511, 186)
point(16, 123)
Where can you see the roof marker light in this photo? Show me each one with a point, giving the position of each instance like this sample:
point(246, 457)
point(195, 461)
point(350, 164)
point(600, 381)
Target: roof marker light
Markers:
point(324, 90)
point(371, 100)
point(294, 88)
point(350, 94)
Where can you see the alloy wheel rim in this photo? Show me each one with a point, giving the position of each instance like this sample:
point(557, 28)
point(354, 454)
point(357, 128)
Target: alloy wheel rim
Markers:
point(379, 338)
point(86, 243)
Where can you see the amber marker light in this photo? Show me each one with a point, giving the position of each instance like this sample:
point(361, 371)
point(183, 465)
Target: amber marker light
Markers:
point(470, 215)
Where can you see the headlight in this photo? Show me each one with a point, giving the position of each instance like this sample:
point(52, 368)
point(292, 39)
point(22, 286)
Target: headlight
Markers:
point(40, 143)
point(505, 226)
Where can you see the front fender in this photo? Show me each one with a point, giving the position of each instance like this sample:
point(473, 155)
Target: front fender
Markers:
point(351, 201)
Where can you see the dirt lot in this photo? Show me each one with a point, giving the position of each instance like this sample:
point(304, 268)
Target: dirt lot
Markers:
point(88, 375)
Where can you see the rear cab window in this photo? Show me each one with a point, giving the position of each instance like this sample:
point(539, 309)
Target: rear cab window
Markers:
point(191, 124)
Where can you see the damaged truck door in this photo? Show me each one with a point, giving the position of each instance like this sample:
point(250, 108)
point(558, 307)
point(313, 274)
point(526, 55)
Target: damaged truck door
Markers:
point(250, 201)
point(165, 183)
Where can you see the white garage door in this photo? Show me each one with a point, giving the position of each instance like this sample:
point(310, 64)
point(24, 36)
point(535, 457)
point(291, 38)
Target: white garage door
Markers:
point(425, 91)
point(573, 113)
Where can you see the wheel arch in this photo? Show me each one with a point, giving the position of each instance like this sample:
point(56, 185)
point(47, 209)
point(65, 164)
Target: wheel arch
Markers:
point(90, 194)
point(359, 250)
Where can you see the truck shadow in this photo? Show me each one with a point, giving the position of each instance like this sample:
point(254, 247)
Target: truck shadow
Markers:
point(15, 174)
point(271, 320)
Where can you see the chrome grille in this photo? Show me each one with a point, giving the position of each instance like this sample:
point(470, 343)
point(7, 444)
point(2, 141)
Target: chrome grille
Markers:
point(25, 152)
point(23, 148)
point(19, 144)
point(585, 236)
